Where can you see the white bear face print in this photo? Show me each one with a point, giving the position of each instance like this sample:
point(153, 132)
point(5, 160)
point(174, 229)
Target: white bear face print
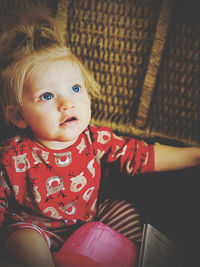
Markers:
point(78, 183)
point(103, 137)
point(40, 155)
point(69, 208)
point(52, 212)
point(21, 163)
point(63, 159)
point(54, 184)
point(88, 193)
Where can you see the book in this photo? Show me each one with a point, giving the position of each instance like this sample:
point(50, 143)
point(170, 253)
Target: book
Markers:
point(157, 250)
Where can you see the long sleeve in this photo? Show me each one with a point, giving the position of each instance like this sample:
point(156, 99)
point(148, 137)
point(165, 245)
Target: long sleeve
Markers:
point(135, 156)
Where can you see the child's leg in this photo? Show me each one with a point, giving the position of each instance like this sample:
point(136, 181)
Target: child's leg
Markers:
point(121, 216)
point(29, 248)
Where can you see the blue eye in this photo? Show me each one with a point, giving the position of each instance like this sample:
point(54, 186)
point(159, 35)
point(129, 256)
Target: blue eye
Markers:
point(47, 96)
point(75, 88)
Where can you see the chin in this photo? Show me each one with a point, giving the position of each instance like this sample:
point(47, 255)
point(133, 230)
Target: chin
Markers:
point(68, 139)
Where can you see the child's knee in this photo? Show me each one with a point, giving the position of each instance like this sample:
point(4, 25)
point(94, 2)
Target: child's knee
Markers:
point(29, 248)
point(24, 239)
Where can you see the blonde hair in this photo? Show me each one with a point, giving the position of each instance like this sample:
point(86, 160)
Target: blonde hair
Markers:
point(33, 41)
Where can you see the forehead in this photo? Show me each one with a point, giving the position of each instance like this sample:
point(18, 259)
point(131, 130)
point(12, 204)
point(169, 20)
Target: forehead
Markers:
point(55, 65)
point(55, 69)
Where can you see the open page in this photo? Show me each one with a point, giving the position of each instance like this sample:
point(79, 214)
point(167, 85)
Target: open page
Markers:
point(157, 250)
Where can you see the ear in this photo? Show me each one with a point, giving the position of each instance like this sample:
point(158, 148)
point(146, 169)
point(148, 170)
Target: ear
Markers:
point(13, 114)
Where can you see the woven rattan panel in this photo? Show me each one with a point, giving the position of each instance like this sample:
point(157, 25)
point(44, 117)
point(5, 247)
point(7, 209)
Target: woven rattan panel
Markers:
point(10, 10)
point(144, 54)
point(114, 38)
point(175, 108)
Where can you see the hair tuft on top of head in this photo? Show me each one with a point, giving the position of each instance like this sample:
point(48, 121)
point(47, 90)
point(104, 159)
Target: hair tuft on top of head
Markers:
point(33, 31)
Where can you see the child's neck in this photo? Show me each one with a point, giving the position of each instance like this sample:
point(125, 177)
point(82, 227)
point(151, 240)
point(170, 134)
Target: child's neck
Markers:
point(54, 145)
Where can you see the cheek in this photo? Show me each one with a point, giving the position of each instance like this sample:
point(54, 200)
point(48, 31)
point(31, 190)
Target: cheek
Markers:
point(87, 109)
point(33, 116)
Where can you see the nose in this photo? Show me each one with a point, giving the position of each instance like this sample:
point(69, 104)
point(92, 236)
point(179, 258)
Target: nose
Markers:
point(65, 103)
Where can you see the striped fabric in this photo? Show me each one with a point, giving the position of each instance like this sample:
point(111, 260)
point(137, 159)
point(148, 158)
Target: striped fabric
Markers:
point(22, 226)
point(122, 217)
point(117, 214)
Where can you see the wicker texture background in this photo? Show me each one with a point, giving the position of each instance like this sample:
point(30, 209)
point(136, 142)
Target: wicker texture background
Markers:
point(145, 55)
point(175, 107)
point(114, 39)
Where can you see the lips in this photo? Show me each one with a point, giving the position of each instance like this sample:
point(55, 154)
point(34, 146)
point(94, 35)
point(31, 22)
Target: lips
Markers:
point(69, 121)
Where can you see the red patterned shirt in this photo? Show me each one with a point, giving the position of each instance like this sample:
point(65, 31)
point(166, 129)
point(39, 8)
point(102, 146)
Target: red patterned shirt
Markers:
point(51, 188)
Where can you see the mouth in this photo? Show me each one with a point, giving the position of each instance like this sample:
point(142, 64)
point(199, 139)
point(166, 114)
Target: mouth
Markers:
point(69, 121)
